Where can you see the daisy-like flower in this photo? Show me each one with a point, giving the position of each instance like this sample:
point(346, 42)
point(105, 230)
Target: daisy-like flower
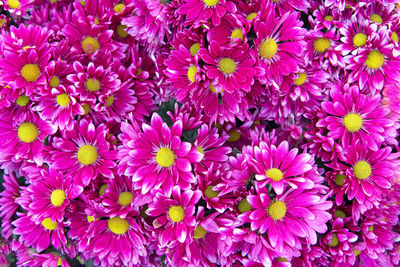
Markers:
point(231, 31)
point(198, 11)
point(230, 69)
point(325, 18)
point(379, 13)
point(375, 66)
point(281, 167)
point(40, 235)
point(8, 205)
point(51, 196)
point(291, 216)
point(155, 157)
point(280, 45)
point(175, 215)
point(23, 137)
point(83, 152)
point(351, 116)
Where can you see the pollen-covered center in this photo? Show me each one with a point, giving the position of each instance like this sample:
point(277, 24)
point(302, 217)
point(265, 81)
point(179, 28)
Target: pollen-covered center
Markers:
point(13, 4)
point(176, 213)
point(268, 48)
point(237, 33)
point(92, 85)
point(194, 49)
point(110, 100)
point(199, 232)
point(48, 224)
point(210, 193)
point(339, 179)
point(375, 60)
point(395, 37)
point(27, 132)
point(359, 39)
point(362, 170)
point(353, 122)
point(277, 210)
point(118, 225)
point(244, 206)
point(90, 45)
point(63, 100)
point(321, 45)
point(22, 100)
point(233, 135)
point(275, 174)
point(102, 189)
point(334, 241)
point(200, 149)
point(191, 73)
point(119, 8)
point(329, 18)
point(211, 2)
point(125, 198)
point(121, 31)
point(54, 81)
point(165, 157)
point(30, 72)
point(251, 16)
point(301, 79)
point(340, 214)
point(376, 18)
point(227, 65)
point(57, 197)
point(87, 154)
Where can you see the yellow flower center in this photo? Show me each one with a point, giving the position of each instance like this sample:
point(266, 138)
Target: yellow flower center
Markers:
point(362, 170)
point(54, 81)
point(27, 132)
point(340, 214)
point(374, 60)
point(268, 48)
point(121, 31)
point(376, 18)
point(191, 73)
point(87, 154)
point(277, 210)
point(93, 85)
point(227, 65)
point(395, 37)
point(119, 8)
point(125, 198)
point(371, 228)
point(63, 100)
point(176, 213)
point(165, 157)
point(90, 45)
point(353, 122)
point(200, 149)
point(59, 262)
point(209, 193)
point(13, 4)
point(194, 49)
point(339, 179)
point(22, 100)
point(321, 45)
point(251, 16)
point(233, 135)
point(244, 206)
point(102, 189)
point(109, 100)
point(57, 197)
point(301, 79)
point(211, 2)
point(30, 72)
point(275, 174)
point(237, 33)
point(48, 224)
point(90, 218)
point(329, 18)
point(212, 89)
point(199, 232)
point(86, 108)
point(118, 225)
point(359, 39)
point(357, 252)
point(334, 241)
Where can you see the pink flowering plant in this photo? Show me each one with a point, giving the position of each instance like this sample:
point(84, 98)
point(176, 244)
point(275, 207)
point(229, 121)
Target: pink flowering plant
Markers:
point(199, 133)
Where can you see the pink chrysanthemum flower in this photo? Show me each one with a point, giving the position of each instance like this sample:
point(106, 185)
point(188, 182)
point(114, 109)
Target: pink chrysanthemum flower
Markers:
point(280, 44)
point(155, 156)
point(281, 167)
point(83, 152)
point(325, 18)
point(8, 204)
point(230, 69)
point(191, 119)
point(51, 196)
point(23, 138)
point(175, 215)
point(291, 216)
point(379, 13)
point(198, 11)
point(230, 31)
point(40, 235)
point(375, 66)
point(351, 116)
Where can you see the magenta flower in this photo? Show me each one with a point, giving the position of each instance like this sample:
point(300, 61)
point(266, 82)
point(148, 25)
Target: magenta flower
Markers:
point(175, 215)
point(83, 152)
point(230, 31)
point(155, 157)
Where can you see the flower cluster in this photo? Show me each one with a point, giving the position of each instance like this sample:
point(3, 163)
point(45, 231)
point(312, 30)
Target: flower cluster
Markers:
point(199, 133)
